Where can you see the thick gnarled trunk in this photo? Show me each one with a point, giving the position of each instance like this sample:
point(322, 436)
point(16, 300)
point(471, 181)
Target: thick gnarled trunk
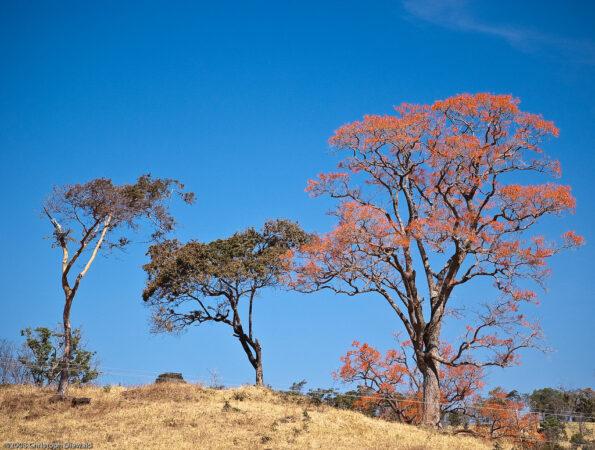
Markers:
point(431, 398)
point(429, 367)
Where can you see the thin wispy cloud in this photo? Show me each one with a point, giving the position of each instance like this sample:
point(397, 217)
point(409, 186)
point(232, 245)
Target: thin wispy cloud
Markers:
point(456, 15)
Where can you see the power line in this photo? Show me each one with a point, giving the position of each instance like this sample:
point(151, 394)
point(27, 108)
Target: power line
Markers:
point(130, 373)
point(382, 397)
point(138, 373)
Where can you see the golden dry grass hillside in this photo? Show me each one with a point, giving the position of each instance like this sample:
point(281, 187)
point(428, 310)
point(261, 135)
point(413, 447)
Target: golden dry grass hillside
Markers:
point(190, 416)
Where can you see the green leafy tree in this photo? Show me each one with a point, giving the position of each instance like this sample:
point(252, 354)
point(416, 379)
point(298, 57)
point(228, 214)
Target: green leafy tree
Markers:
point(341, 400)
point(320, 396)
point(577, 404)
point(197, 282)
point(553, 430)
point(584, 404)
point(345, 400)
point(42, 359)
point(297, 386)
point(549, 400)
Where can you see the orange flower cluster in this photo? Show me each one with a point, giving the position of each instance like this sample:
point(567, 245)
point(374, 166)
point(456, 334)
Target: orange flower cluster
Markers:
point(501, 416)
point(433, 175)
point(317, 187)
point(572, 239)
point(389, 388)
point(536, 200)
point(468, 104)
point(392, 387)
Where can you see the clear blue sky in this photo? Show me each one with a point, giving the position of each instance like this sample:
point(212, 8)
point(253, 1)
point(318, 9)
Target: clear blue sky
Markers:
point(237, 99)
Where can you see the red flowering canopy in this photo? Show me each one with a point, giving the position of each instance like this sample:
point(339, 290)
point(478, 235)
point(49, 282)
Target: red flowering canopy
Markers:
point(437, 189)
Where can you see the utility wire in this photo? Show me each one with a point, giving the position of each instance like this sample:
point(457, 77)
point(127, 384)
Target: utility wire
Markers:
point(137, 373)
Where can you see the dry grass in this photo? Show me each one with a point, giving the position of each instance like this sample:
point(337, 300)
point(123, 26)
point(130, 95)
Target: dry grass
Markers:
point(190, 416)
point(588, 429)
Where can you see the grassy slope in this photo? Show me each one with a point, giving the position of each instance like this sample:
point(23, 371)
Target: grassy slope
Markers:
point(190, 416)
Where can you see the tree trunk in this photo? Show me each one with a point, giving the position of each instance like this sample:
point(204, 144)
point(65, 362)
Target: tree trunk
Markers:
point(430, 369)
point(431, 398)
point(253, 351)
point(259, 375)
point(258, 365)
point(64, 372)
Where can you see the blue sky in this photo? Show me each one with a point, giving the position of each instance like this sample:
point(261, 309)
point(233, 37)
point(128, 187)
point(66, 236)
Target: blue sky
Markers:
point(237, 100)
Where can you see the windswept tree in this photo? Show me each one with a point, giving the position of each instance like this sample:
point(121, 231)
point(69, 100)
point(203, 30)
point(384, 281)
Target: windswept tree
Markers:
point(219, 281)
point(437, 189)
point(99, 216)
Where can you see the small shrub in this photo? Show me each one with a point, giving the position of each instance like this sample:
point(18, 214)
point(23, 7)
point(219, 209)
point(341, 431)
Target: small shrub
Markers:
point(228, 408)
point(170, 377)
point(297, 386)
point(579, 440)
point(239, 396)
point(552, 429)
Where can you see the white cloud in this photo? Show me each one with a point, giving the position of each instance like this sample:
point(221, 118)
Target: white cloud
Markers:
point(455, 14)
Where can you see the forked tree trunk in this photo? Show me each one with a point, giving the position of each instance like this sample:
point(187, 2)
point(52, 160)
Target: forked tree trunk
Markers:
point(253, 351)
point(256, 361)
point(65, 363)
point(70, 292)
